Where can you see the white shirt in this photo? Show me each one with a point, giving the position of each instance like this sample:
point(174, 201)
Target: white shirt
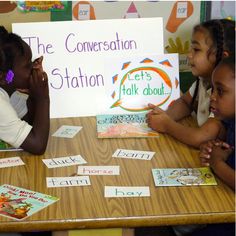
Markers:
point(203, 99)
point(18, 101)
point(13, 130)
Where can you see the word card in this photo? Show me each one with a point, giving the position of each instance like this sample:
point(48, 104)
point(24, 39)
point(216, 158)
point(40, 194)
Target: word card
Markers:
point(133, 154)
point(182, 10)
point(53, 182)
point(98, 170)
point(64, 161)
point(67, 131)
point(119, 191)
point(12, 161)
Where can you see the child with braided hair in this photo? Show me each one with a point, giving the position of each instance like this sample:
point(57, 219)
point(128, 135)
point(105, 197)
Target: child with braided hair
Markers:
point(211, 41)
point(24, 117)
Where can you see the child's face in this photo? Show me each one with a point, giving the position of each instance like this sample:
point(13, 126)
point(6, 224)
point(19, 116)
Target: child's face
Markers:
point(22, 68)
point(202, 63)
point(223, 96)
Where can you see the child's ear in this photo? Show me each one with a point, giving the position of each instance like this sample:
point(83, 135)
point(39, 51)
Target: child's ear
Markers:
point(225, 54)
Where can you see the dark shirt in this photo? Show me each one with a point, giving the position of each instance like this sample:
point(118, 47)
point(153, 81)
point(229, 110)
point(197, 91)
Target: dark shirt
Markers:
point(230, 139)
point(227, 229)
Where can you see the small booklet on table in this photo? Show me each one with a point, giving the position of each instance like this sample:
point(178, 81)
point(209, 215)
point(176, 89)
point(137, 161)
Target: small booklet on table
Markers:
point(19, 203)
point(183, 176)
point(5, 147)
point(124, 126)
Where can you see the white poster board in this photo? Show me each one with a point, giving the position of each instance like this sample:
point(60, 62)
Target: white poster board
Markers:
point(74, 55)
point(134, 82)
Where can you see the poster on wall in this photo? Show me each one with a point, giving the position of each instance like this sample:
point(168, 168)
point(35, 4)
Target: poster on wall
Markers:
point(83, 10)
point(132, 12)
point(74, 58)
point(41, 6)
point(222, 9)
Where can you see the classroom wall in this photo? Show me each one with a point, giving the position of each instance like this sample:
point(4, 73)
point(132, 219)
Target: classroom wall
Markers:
point(177, 24)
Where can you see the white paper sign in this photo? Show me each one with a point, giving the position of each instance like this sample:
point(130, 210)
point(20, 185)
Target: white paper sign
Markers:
point(12, 161)
point(120, 191)
point(133, 154)
point(74, 54)
point(64, 161)
point(53, 182)
point(67, 131)
point(136, 81)
point(98, 170)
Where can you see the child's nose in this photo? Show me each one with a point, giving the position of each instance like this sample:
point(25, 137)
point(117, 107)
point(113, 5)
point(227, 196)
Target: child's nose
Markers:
point(189, 54)
point(213, 96)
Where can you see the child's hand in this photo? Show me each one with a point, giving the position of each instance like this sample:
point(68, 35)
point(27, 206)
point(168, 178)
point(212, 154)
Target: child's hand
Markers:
point(39, 85)
point(38, 64)
point(151, 106)
point(214, 151)
point(157, 119)
point(219, 154)
point(205, 152)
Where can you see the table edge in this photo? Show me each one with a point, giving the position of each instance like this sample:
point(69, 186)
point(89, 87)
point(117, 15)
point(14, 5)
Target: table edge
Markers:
point(123, 222)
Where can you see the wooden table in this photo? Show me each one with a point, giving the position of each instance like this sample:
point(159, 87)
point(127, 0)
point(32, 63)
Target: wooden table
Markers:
point(86, 207)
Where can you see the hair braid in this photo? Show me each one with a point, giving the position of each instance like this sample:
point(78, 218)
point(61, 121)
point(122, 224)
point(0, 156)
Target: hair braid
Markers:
point(219, 42)
point(222, 33)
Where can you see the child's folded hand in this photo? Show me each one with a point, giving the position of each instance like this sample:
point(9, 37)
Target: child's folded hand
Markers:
point(205, 152)
point(218, 155)
point(222, 144)
point(214, 151)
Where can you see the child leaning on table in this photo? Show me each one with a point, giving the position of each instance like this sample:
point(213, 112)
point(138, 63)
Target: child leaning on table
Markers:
point(220, 154)
point(24, 96)
point(211, 41)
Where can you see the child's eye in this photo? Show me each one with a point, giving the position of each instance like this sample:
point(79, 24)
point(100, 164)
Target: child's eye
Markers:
point(220, 91)
point(196, 49)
